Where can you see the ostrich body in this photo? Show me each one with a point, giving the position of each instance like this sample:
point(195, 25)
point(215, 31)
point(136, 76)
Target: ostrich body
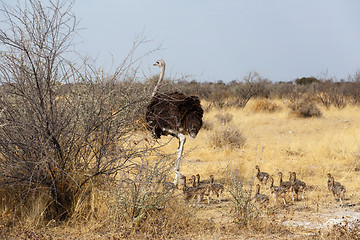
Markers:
point(297, 186)
point(285, 184)
point(174, 114)
point(263, 177)
point(204, 188)
point(329, 183)
point(189, 192)
point(259, 198)
point(337, 190)
point(277, 191)
point(216, 188)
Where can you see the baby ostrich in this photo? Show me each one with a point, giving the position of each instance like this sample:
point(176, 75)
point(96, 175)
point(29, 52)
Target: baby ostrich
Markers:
point(189, 192)
point(203, 188)
point(337, 190)
point(216, 188)
point(285, 184)
point(173, 114)
point(297, 186)
point(329, 183)
point(277, 191)
point(259, 198)
point(203, 182)
point(263, 177)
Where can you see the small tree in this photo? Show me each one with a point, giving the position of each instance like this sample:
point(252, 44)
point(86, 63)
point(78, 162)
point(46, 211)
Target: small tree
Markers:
point(61, 124)
point(252, 85)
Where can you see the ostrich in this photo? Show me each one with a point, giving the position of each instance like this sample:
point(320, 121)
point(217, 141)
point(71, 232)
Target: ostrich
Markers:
point(337, 190)
point(173, 113)
point(259, 198)
point(297, 186)
point(262, 176)
point(277, 191)
point(330, 183)
point(285, 184)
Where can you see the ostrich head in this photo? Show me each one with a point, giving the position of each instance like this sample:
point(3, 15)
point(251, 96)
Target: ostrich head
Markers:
point(194, 128)
point(160, 63)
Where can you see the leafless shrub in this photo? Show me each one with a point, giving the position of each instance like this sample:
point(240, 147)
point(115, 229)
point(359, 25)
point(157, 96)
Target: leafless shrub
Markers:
point(227, 137)
point(332, 94)
point(143, 190)
point(62, 125)
point(244, 212)
point(352, 92)
point(218, 99)
point(224, 118)
point(296, 93)
point(265, 105)
point(280, 89)
point(242, 92)
point(305, 109)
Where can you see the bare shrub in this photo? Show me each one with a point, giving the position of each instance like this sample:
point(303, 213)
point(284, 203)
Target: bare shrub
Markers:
point(227, 137)
point(244, 211)
point(332, 94)
point(63, 126)
point(252, 85)
point(144, 190)
point(305, 109)
point(224, 118)
point(265, 105)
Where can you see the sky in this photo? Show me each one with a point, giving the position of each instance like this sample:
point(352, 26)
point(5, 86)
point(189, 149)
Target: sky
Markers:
point(212, 40)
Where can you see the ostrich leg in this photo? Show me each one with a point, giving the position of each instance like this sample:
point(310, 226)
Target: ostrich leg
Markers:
point(179, 151)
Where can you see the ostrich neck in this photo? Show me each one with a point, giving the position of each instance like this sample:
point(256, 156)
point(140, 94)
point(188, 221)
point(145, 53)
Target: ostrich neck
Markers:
point(161, 77)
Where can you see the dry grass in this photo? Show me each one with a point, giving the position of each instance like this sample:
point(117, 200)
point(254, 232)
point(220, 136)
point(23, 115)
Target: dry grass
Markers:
point(277, 141)
point(280, 141)
point(265, 105)
point(309, 146)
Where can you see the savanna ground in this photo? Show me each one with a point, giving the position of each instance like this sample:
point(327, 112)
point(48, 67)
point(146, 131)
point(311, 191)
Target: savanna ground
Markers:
point(277, 141)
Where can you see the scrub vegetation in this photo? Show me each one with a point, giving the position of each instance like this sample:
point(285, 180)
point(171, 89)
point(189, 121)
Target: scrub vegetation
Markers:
point(76, 160)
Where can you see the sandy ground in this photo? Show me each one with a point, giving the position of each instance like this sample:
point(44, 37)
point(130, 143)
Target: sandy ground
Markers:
point(308, 218)
point(302, 219)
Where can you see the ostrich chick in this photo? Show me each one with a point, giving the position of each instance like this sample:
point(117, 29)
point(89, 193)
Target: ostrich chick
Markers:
point(337, 190)
point(263, 177)
point(297, 186)
point(259, 198)
point(277, 191)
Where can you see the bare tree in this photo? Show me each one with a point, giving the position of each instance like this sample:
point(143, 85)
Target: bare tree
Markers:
point(252, 85)
point(61, 124)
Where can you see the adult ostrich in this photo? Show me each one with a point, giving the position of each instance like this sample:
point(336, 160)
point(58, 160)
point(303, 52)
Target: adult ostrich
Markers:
point(173, 113)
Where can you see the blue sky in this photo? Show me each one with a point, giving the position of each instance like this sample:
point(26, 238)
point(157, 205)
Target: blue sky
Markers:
point(225, 40)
